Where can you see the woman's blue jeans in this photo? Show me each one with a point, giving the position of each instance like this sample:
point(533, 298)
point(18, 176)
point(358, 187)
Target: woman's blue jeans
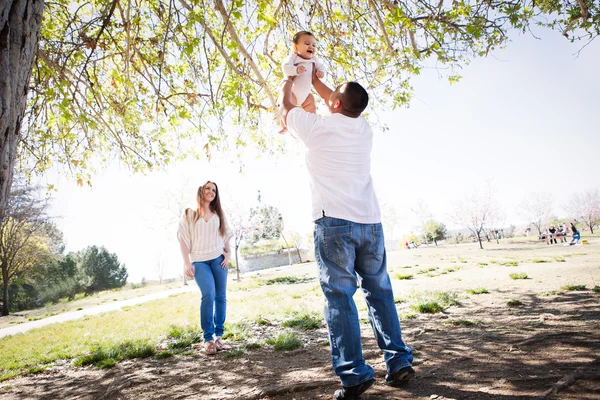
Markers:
point(212, 281)
point(347, 253)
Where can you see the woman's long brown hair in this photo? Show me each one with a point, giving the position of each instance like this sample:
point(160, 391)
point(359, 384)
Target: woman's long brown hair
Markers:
point(215, 207)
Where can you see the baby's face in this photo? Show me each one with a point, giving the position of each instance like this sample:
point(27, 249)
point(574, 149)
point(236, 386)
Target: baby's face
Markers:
point(306, 46)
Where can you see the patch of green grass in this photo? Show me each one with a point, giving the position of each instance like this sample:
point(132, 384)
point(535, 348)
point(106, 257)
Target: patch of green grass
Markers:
point(482, 264)
point(479, 290)
point(364, 321)
point(514, 303)
point(408, 315)
point(461, 322)
point(164, 354)
point(399, 300)
point(433, 302)
point(552, 293)
point(108, 356)
point(426, 270)
point(306, 321)
point(405, 266)
point(253, 346)
point(450, 269)
point(262, 321)
point(539, 261)
point(233, 353)
point(288, 280)
point(521, 275)
point(404, 277)
point(429, 307)
point(184, 337)
point(237, 331)
point(285, 341)
point(36, 370)
point(573, 287)
point(79, 308)
point(596, 289)
point(510, 264)
point(559, 259)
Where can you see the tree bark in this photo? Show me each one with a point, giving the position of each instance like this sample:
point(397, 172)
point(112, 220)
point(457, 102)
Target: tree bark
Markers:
point(20, 23)
point(5, 289)
point(479, 238)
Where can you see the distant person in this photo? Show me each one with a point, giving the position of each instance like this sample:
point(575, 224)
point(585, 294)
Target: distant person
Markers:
point(552, 234)
point(576, 235)
point(407, 246)
point(204, 241)
point(349, 241)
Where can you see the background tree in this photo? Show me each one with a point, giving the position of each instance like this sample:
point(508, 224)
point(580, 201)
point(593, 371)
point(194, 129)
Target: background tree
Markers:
point(435, 231)
point(133, 79)
point(296, 240)
point(26, 236)
point(586, 206)
point(390, 218)
point(537, 209)
point(240, 224)
point(422, 214)
point(103, 269)
point(474, 212)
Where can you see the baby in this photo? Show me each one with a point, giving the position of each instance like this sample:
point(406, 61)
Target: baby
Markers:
point(300, 64)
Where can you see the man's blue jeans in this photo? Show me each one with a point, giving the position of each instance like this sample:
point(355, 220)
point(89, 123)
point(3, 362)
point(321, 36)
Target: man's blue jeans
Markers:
point(212, 281)
point(348, 252)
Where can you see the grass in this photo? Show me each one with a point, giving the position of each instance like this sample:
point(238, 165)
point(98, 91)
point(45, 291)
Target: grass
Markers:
point(433, 302)
point(426, 270)
point(107, 356)
point(482, 264)
point(510, 264)
point(573, 287)
point(559, 259)
point(285, 341)
point(288, 280)
point(306, 321)
point(521, 275)
point(460, 322)
point(514, 303)
point(539, 261)
point(237, 331)
point(479, 290)
point(404, 276)
point(183, 337)
point(596, 289)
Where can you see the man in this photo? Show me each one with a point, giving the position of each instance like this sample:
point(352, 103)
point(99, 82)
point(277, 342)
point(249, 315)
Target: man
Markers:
point(349, 242)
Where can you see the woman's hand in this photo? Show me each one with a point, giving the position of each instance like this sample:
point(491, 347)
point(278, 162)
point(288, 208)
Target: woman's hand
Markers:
point(225, 261)
point(189, 271)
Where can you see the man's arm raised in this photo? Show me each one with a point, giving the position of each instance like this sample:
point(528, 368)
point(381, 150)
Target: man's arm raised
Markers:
point(321, 88)
point(285, 100)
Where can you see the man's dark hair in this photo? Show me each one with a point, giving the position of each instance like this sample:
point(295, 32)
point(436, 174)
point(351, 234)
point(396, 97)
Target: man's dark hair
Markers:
point(355, 98)
point(298, 35)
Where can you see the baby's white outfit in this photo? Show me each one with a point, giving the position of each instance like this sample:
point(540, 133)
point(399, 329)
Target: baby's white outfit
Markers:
point(302, 84)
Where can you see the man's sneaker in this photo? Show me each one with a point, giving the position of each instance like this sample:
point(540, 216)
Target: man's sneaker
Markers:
point(352, 392)
point(400, 377)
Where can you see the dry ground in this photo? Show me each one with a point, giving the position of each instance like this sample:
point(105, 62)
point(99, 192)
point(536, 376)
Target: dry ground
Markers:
point(548, 347)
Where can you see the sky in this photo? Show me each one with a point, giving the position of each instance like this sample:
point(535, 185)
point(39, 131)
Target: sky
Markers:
point(526, 118)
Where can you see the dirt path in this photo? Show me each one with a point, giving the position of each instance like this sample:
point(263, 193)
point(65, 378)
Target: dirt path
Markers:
point(548, 347)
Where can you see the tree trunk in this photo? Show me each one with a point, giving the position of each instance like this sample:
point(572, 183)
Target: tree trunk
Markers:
point(5, 289)
point(479, 238)
point(591, 229)
point(237, 263)
point(20, 22)
point(298, 251)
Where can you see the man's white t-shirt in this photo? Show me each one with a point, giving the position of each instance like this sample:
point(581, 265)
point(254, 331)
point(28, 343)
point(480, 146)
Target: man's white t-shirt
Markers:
point(338, 159)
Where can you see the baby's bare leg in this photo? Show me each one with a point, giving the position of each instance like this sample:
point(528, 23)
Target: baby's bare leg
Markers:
point(309, 104)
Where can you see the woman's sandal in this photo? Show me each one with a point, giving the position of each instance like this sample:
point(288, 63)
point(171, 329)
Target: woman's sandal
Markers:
point(210, 348)
point(219, 343)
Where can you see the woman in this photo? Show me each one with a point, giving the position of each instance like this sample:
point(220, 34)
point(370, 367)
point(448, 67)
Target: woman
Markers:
point(204, 240)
